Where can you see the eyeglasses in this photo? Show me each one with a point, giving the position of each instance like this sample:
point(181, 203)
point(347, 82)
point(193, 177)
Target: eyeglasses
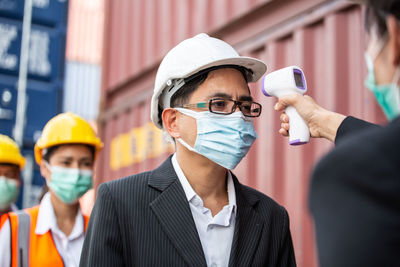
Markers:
point(228, 106)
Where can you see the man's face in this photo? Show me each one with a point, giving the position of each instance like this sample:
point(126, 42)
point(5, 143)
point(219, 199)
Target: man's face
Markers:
point(226, 83)
point(10, 171)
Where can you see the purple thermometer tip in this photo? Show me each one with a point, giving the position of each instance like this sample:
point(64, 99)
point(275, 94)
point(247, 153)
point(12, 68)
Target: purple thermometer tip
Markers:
point(263, 87)
point(297, 142)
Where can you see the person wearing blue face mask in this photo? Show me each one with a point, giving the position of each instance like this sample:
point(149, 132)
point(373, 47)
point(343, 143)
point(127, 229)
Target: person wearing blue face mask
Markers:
point(192, 210)
point(355, 189)
point(52, 233)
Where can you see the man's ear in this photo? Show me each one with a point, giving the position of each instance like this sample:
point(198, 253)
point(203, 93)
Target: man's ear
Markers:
point(169, 119)
point(393, 27)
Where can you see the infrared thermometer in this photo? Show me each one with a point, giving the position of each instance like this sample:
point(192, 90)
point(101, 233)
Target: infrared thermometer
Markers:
point(289, 80)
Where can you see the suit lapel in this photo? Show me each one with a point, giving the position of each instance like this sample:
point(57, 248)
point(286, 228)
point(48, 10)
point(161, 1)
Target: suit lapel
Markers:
point(247, 229)
point(173, 212)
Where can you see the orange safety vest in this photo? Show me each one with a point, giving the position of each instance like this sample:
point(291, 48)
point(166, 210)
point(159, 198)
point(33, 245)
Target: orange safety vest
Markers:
point(3, 219)
point(28, 247)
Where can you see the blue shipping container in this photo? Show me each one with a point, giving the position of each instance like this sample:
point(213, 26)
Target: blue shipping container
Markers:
point(45, 77)
point(46, 50)
point(43, 103)
point(44, 12)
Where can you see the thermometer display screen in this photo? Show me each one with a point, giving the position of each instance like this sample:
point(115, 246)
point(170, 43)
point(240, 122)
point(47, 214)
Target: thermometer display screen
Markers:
point(298, 79)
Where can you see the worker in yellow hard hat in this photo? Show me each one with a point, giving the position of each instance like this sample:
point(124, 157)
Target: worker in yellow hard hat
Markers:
point(52, 233)
point(11, 162)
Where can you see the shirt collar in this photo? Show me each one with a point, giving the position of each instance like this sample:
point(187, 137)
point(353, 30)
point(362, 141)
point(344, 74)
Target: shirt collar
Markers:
point(231, 192)
point(190, 193)
point(13, 207)
point(47, 220)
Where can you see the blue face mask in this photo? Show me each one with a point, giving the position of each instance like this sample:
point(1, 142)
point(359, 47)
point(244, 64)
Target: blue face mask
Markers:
point(387, 95)
point(224, 139)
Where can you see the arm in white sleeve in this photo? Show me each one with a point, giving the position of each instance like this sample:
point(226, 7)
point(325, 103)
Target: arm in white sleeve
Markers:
point(5, 240)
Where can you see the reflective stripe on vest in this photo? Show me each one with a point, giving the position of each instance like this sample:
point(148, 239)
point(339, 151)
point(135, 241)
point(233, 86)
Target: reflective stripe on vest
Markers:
point(24, 223)
point(41, 249)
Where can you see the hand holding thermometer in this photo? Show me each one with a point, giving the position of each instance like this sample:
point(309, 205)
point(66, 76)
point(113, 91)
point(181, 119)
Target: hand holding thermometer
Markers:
point(289, 80)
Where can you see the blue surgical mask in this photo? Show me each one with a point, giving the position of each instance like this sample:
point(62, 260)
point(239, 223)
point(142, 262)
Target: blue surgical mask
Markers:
point(387, 95)
point(69, 184)
point(9, 189)
point(224, 139)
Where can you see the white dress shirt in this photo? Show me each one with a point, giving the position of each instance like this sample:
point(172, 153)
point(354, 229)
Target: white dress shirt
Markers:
point(69, 247)
point(216, 233)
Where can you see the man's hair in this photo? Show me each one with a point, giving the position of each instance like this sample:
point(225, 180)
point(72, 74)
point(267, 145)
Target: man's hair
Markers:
point(376, 13)
point(182, 96)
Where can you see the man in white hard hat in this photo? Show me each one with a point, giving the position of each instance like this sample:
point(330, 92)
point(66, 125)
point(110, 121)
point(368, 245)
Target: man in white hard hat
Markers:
point(192, 210)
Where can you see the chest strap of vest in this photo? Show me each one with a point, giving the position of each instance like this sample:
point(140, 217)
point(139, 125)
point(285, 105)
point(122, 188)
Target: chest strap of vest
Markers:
point(24, 223)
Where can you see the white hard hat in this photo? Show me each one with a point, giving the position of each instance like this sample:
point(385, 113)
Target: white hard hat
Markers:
point(191, 56)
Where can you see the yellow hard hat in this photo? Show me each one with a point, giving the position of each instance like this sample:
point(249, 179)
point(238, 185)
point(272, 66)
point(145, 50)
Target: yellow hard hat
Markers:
point(66, 128)
point(9, 152)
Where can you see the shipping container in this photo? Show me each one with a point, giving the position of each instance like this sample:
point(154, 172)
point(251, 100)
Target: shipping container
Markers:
point(325, 38)
point(83, 58)
point(82, 89)
point(44, 88)
point(37, 114)
point(85, 31)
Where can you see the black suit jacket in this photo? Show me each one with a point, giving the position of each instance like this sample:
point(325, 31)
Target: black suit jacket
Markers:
point(145, 220)
point(355, 197)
